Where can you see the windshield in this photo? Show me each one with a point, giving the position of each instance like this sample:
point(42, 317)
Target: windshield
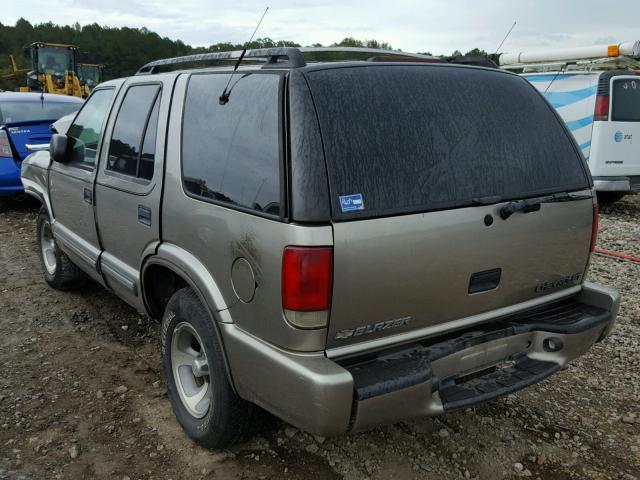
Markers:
point(626, 100)
point(418, 138)
point(90, 75)
point(55, 60)
point(12, 112)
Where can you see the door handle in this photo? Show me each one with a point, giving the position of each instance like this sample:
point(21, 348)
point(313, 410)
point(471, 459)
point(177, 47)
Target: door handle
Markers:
point(88, 196)
point(144, 215)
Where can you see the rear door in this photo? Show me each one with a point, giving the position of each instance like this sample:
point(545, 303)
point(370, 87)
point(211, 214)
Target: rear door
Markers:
point(128, 186)
point(616, 143)
point(421, 159)
point(71, 184)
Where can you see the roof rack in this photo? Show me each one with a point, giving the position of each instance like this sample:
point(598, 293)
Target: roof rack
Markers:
point(272, 57)
point(615, 63)
point(624, 55)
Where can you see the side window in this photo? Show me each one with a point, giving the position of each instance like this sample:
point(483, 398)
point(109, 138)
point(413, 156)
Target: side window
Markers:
point(231, 152)
point(84, 133)
point(133, 141)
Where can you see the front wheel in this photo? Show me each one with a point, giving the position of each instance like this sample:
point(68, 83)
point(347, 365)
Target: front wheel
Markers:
point(59, 271)
point(193, 366)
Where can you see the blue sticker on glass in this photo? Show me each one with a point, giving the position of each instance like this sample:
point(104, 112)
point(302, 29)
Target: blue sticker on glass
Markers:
point(351, 203)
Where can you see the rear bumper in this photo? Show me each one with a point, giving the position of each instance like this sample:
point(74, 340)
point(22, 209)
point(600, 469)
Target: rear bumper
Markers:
point(328, 397)
point(10, 183)
point(617, 184)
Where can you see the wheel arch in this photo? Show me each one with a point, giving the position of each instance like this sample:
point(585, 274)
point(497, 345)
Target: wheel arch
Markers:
point(173, 268)
point(36, 191)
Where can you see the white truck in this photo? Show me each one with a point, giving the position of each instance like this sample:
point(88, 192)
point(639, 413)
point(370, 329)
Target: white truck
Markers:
point(596, 91)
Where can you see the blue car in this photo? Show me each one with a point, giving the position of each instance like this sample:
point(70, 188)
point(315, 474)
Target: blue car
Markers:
point(25, 119)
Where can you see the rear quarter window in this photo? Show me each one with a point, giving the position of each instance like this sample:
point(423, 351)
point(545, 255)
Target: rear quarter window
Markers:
point(416, 138)
point(231, 151)
point(626, 100)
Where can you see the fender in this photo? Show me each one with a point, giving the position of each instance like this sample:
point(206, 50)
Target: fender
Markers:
point(195, 274)
point(34, 174)
point(200, 280)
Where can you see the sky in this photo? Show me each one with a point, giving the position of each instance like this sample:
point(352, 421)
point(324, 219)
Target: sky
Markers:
point(439, 27)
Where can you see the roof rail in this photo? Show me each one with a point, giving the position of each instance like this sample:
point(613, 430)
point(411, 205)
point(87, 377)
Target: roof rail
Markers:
point(271, 56)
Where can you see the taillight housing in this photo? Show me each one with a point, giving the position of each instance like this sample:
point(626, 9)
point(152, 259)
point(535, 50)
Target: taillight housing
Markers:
point(594, 228)
point(601, 112)
point(307, 283)
point(5, 146)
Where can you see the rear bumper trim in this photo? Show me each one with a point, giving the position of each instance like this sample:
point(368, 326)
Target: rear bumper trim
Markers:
point(617, 184)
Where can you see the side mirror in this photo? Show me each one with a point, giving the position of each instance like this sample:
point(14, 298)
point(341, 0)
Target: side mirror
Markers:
point(58, 148)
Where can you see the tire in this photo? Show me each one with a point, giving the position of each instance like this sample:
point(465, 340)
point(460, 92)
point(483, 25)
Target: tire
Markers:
point(220, 418)
point(59, 271)
point(609, 197)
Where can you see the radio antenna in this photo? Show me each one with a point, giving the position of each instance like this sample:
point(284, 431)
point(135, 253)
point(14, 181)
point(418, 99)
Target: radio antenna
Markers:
point(505, 38)
point(224, 98)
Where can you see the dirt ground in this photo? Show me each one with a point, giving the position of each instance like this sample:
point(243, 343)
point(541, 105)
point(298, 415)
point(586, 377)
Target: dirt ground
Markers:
point(81, 396)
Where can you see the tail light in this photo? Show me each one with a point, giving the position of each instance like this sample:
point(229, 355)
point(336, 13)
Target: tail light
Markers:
point(5, 146)
point(602, 108)
point(594, 228)
point(307, 282)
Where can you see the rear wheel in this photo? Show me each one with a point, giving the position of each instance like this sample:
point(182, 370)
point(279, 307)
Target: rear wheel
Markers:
point(609, 197)
point(194, 370)
point(59, 271)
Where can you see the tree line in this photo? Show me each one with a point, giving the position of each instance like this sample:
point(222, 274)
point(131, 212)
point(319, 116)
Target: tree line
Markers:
point(123, 49)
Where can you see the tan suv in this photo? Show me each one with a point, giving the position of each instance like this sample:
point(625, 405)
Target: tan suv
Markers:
point(344, 244)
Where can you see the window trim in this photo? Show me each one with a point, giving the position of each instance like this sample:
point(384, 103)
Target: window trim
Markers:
point(282, 217)
point(94, 167)
point(123, 176)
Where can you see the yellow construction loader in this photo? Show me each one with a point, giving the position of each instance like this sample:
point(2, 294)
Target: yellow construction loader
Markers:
point(90, 74)
point(53, 69)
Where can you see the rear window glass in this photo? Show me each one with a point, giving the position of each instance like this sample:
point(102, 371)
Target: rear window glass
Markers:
point(626, 100)
point(11, 112)
point(231, 151)
point(418, 138)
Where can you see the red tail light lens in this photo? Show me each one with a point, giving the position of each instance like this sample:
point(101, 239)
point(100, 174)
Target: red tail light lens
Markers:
point(602, 108)
point(594, 228)
point(307, 278)
point(5, 146)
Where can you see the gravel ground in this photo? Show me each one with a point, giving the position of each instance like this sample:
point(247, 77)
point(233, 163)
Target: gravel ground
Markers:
point(81, 396)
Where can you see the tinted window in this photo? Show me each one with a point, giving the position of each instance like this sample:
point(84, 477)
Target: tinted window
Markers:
point(27, 112)
point(136, 114)
point(84, 133)
point(230, 152)
point(417, 138)
point(626, 100)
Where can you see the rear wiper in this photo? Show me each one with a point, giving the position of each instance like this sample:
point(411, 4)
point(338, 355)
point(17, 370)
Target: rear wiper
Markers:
point(488, 200)
point(533, 204)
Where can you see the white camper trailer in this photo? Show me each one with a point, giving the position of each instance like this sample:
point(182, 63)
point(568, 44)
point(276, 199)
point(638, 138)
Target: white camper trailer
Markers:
point(596, 91)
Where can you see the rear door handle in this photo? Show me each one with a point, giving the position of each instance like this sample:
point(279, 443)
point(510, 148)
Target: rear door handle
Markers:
point(144, 215)
point(88, 196)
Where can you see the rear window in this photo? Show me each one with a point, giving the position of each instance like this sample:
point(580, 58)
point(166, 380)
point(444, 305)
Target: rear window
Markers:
point(12, 112)
point(417, 138)
point(626, 100)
